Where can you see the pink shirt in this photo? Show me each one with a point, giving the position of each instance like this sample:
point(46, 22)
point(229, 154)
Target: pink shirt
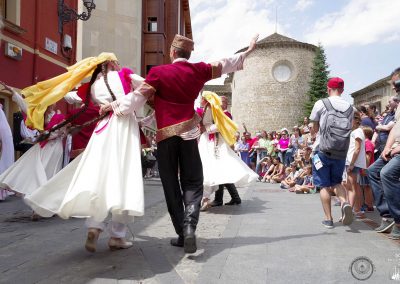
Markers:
point(283, 143)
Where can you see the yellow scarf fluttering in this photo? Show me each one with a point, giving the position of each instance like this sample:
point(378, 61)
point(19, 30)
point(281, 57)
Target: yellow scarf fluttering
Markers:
point(45, 93)
point(225, 125)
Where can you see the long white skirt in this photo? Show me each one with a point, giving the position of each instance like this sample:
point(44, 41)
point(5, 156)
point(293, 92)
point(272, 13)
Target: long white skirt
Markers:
point(34, 168)
point(7, 149)
point(106, 177)
point(227, 167)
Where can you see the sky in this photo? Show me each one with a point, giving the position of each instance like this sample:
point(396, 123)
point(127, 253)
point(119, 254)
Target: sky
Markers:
point(361, 37)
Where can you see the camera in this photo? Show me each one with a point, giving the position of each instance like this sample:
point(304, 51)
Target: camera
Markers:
point(396, 85)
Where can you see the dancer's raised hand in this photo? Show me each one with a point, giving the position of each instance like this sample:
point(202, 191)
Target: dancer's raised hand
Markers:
point(5, 87)
point(252, 44)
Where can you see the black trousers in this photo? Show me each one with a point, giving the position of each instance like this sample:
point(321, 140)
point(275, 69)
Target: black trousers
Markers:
point(181, 174)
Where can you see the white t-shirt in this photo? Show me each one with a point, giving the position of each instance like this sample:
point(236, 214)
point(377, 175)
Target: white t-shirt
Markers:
point(319, 113)
point(361, 160)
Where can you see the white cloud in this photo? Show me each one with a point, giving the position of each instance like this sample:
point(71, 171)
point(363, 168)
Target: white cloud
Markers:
point(222, 27)
point(301, 5)
point(360, 22)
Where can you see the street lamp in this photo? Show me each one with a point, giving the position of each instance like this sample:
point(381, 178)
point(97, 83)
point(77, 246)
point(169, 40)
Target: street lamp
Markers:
point(66, 14)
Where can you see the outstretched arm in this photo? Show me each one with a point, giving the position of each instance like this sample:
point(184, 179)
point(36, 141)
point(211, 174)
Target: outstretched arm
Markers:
point(234, 63)
point(16, 97)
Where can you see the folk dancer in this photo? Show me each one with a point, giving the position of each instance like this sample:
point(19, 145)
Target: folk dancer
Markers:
point(174, 88)
point(221, 166)
point(106, 177)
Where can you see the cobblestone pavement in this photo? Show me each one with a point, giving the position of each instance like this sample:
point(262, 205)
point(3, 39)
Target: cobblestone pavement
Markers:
point(272, 237)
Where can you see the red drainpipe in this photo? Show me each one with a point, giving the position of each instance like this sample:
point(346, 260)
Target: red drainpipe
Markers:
point(35, 77)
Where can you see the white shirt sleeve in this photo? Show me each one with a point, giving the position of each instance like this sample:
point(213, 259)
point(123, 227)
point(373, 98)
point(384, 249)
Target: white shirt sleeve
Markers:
point(212, 128)
point(358, 133)
point(128, 103)
point(136, 80)
point(72, 98)
point(233, 63)
point(19, 100)
point(26, 132)
point(316, 111)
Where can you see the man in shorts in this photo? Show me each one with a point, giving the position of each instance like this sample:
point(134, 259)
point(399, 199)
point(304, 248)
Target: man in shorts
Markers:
point(327, 171)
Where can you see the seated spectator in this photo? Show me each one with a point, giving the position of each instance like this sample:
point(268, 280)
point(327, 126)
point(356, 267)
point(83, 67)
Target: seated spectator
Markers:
point(384, 176)
point(279, 171)
point(303, 157)
point(265, 165)
point(386, 124)
point(291, 175)
point(307, 186)
point(268, 173)
point(277, 174)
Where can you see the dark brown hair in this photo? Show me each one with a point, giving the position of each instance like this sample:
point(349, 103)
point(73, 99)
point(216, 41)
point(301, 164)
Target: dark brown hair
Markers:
point(182, 53)
point(100, 68)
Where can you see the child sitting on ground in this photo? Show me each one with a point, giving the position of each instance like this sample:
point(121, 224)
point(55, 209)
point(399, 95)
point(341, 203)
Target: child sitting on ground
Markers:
point(291, 176)
point(279, 171)
point(307, 186)
point(266, 166)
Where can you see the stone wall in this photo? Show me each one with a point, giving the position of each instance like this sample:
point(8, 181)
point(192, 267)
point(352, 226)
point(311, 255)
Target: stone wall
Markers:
point(260, 101)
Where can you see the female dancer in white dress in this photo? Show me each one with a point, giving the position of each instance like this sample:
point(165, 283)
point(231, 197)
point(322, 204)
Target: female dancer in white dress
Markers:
point(6, 148)
point(106, 177)
point(39, 163)
point(221, 165)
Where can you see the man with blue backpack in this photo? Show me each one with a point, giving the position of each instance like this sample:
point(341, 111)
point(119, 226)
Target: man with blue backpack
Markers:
point(332, 119)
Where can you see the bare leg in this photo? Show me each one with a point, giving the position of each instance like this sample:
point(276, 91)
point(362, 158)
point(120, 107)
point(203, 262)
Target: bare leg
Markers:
point(340, 192)
point(369, 199)
point(351, 191)
point(326, 202)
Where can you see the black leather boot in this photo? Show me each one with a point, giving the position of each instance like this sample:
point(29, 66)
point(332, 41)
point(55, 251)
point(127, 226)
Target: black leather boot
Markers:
point(219, 197)
point(177, 242)
point(189, 239)
point(234, 194)
point(192, 213)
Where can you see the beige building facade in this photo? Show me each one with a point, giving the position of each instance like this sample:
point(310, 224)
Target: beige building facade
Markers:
point(378, 94)
point(115, 26)
point(270, 92)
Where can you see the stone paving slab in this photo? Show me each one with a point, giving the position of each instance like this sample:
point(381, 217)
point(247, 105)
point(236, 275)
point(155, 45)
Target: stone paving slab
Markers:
point(273, 237)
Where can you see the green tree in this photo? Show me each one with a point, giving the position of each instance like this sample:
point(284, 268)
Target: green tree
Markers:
point(319, 79)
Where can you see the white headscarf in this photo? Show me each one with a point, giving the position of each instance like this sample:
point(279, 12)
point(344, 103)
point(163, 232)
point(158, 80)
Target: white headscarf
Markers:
point(7, 146)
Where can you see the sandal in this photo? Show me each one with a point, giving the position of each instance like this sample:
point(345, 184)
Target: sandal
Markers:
point(91, 240)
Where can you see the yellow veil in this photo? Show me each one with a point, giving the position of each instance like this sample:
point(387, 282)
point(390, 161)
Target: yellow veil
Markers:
point(225, 125)
point(46, 93)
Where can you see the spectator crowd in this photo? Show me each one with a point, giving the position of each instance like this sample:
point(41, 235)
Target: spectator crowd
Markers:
point(371, 168)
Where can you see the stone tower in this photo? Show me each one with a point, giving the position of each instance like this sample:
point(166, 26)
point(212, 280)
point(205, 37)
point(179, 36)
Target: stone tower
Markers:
point(270, 92)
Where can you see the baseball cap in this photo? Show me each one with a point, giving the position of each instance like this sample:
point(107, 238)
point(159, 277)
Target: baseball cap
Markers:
point(335, 83)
